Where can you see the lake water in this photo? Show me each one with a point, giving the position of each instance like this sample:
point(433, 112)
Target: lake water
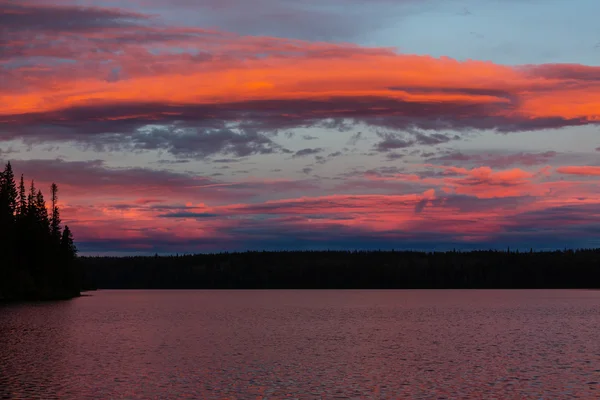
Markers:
point(304, 344)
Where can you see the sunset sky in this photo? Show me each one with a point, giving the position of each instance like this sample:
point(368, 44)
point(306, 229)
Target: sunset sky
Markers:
point(180, 126)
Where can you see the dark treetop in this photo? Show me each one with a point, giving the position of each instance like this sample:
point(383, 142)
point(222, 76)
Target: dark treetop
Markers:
point(37, 256)
point(346, 270)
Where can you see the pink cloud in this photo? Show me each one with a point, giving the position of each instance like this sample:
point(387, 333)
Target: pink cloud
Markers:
point(462, 205)
point(114, 73)
point(579, 170)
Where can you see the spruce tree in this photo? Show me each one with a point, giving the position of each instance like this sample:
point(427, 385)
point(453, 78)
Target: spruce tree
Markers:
point(31, 203)
point(72, 278)
point(42, 212)
point(37, 260)
point(8, 196)
point(22, 212)
point(55, 218)
point(67, 244)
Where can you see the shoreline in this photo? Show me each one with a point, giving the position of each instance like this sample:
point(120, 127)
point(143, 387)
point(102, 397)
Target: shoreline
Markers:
point(37, 299)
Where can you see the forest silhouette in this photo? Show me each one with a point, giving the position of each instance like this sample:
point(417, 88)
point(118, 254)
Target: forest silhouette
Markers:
point(38, 259)
point(349, 270)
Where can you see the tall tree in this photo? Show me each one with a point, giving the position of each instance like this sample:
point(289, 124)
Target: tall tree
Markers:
point(55, 218)
point(67, 245)
point(22, 198)
point(31, 201)
point(8, 193)
point(42, 211)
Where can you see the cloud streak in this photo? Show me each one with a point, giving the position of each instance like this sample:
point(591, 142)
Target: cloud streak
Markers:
point(579, 170)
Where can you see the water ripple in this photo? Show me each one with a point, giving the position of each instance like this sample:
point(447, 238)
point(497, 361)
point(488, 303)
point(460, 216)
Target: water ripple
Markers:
point(304, 345)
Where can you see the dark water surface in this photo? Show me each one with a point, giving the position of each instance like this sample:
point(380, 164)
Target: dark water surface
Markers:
point(304, 344)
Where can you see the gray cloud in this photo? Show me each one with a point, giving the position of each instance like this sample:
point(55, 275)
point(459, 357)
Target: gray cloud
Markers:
point(6, 152)
point(495, 160)
point(433, 139)
point(329, 157)
point(393, 156)
point(309, 137)
point(354, 139)
point(226, 160)
point(89, 177)
point(29, 17)
point(401, 140)
point(202, 143)
point(307, 152)
point(95, 173)
point(392, 141)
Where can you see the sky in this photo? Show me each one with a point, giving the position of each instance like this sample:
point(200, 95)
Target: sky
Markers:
point(183, 126)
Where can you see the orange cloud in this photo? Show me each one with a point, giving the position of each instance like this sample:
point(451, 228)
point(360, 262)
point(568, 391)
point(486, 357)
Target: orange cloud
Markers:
point(455, 217)
point(455, 204)
point(404, 78)
point(579, 170)
point(129, 73)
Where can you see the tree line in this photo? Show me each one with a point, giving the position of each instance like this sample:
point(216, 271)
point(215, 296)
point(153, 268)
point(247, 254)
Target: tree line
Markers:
point(349, 270)
point(38, 256)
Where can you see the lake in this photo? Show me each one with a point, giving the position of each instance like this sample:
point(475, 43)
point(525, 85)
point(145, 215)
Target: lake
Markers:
point(427, 344)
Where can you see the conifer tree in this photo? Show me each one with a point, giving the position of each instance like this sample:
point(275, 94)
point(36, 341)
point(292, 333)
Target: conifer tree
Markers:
point(8, 198)
point(37, 260)
point(55, 218)
point(31, 201)
point(42, 212)
point(22, 199)
point(67, 245)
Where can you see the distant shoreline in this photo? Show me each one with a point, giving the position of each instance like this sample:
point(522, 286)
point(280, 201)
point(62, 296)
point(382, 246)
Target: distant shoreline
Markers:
point(336, 290)
point(571, 269)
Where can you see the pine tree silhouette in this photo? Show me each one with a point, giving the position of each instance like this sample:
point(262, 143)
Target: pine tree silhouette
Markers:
point(8, 197)
point(55, 218)
point(37, 260)
point(22, 199)
point(67, 245)
point(42, 213)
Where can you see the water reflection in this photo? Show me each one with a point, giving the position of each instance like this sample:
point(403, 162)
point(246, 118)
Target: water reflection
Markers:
point(35, 342)
point(305, 344)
